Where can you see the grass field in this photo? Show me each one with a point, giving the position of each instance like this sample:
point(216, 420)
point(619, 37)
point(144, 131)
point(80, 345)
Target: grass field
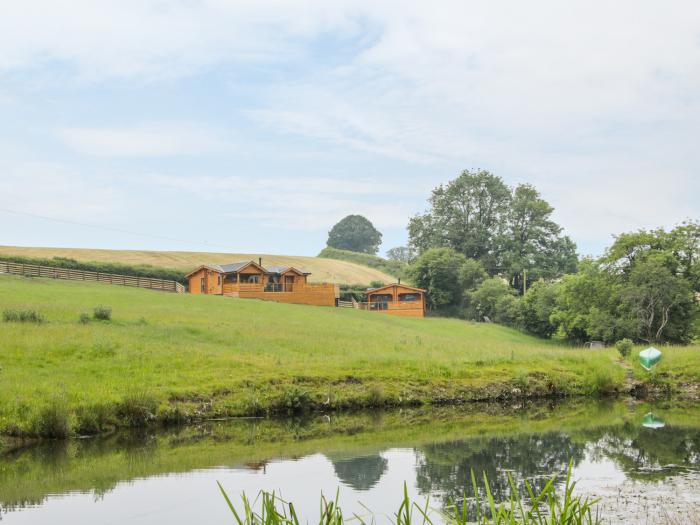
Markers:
point(171, 357)
point(322, 270)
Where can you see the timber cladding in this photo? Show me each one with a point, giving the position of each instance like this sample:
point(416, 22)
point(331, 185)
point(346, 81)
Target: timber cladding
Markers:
point(251, 280)
point(316, 296)
point(32, 270)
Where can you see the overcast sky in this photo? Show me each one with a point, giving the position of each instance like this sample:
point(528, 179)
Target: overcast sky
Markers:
point(254, 126)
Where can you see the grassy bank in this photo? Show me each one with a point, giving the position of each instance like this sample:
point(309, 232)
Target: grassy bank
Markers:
point(166, 357)
point(322, 270)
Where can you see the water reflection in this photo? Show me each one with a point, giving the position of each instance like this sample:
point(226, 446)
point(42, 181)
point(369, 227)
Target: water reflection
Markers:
point(368, 455)
point(445, 468)
point(361, 473)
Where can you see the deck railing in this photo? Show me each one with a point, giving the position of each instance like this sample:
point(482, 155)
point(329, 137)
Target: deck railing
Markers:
point(389, 305)
point(51, 272)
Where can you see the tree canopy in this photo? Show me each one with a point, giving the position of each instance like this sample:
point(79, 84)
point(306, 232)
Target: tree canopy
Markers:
point(509, 230)
point(355, 233)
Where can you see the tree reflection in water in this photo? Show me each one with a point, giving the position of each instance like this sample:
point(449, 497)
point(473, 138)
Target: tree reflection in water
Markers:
point(360, 473)
point(651, 454)
point(445, 468)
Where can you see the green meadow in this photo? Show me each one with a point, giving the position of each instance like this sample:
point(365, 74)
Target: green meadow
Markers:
point(179, 358)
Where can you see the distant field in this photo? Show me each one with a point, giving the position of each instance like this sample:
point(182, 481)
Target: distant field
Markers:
point(182, 356)
point(322, 270)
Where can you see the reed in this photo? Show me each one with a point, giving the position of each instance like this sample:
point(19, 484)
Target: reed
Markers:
point(544, 508)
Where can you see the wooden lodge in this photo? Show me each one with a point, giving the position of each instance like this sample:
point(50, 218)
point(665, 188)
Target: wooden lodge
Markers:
point(396, 299)
point(252, 280)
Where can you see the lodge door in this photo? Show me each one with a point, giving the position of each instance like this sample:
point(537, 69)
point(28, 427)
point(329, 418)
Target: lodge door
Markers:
point(288, 283)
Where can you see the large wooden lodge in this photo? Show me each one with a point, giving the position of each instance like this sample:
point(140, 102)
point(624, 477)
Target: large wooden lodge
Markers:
point(251, 280)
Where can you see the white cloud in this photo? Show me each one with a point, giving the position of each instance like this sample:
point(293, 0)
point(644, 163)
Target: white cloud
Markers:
point(598, 103)
point(304, 203)
point(56, 191)
point(149, 140)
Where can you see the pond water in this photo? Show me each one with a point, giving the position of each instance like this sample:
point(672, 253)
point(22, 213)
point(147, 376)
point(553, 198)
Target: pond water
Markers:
point(645, 468)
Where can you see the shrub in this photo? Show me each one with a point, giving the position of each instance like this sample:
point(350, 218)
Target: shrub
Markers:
point(624, 346)
point(22, 316)
point(137, 409)
point(53, 420)
point(94, 419)
point(84, 318)
point(604, 381)
point(103, 313)
point(376, 397)
point(295, 400)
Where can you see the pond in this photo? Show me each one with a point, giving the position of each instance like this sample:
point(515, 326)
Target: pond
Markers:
point(642, 460)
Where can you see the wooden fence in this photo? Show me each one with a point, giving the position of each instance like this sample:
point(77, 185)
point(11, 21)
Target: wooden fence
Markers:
point(32, 270)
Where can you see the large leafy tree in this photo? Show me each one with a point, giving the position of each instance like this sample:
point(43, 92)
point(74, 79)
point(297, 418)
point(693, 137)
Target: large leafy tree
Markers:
point(532, 241)
point(356, 234)
point(467, 215)
point(642, 288)
point(509, 231)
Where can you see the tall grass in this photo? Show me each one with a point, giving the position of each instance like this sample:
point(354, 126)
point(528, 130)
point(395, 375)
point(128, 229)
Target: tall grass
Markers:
point(545, 508)
point(22, 315)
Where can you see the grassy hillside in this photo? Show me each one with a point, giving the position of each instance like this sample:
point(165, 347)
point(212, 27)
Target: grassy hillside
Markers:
point(322, 270)
point(394, 268)
point(180, 357)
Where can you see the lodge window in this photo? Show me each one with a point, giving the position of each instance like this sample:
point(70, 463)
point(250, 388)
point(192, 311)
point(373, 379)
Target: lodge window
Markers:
point(219, 280)
point(407, 297)
point(381, 298)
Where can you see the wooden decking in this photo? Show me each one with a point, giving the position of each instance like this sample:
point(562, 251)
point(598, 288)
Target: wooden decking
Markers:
point(317, 294)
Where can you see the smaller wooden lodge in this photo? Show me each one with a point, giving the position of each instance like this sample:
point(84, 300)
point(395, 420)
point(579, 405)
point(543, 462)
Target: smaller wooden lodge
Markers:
point(252, 280)
point(396, 299)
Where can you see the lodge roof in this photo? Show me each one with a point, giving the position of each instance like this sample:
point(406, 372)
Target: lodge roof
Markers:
point(236, 266)
point(372, 290)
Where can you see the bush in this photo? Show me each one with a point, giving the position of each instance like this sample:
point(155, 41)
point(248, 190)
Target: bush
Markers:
point(22, 316)
point(103, 313)
point(624, 346)
point(295, 400)
point(94, 419)
point(137, 409)
point(84, 318)
point(53, 420)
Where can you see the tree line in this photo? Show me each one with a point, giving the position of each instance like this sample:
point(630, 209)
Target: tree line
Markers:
point(489, 252)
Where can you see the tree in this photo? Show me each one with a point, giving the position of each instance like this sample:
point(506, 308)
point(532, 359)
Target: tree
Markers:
point(355, 233)
point(533, 242)
point(402, 254)
point(660, 301)
point(490, 299)
point(641, 289)
point(466, 215)
point(509, 231)
point(444, 274)
point(537, 307)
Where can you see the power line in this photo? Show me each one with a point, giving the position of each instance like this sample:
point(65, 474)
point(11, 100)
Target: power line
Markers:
point(112, 229)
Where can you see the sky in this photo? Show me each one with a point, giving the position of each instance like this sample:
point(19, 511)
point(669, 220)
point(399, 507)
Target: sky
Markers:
point(214, 125)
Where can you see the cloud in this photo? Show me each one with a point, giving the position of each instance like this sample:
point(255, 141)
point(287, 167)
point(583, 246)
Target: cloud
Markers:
point(598, 104)
point(57, 191)
point(305, 203)
point(149, 140)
